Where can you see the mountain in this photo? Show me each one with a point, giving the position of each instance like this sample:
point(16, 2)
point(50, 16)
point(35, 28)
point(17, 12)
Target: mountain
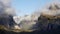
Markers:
point(7, 21)
point(45, 25)
point(47, 22)
point(26, 23)
point(50, 20)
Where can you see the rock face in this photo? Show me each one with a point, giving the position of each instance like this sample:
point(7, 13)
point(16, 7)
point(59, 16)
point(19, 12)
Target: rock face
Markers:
point(50, 20)
point(49, 23)
point(7, 21)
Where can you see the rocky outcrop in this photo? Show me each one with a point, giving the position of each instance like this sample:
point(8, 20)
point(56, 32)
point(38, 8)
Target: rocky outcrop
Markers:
point(7, 22)
point(50, 20)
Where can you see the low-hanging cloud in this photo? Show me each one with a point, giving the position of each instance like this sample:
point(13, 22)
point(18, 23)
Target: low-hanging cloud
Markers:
point(52, 9)
point(5, 7)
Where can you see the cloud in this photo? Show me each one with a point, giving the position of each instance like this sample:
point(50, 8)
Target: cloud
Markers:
point(5, 7)
point(6, 2)
point(52, 9)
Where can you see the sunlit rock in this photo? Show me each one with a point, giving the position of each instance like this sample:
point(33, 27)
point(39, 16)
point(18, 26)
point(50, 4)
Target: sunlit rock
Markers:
point(16, 27)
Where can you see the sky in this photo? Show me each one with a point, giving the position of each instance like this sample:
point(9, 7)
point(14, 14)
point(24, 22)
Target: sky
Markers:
point(27, 7)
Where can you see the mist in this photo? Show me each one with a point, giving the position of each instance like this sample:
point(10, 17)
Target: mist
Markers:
point(5, 8)
point(52, 8)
